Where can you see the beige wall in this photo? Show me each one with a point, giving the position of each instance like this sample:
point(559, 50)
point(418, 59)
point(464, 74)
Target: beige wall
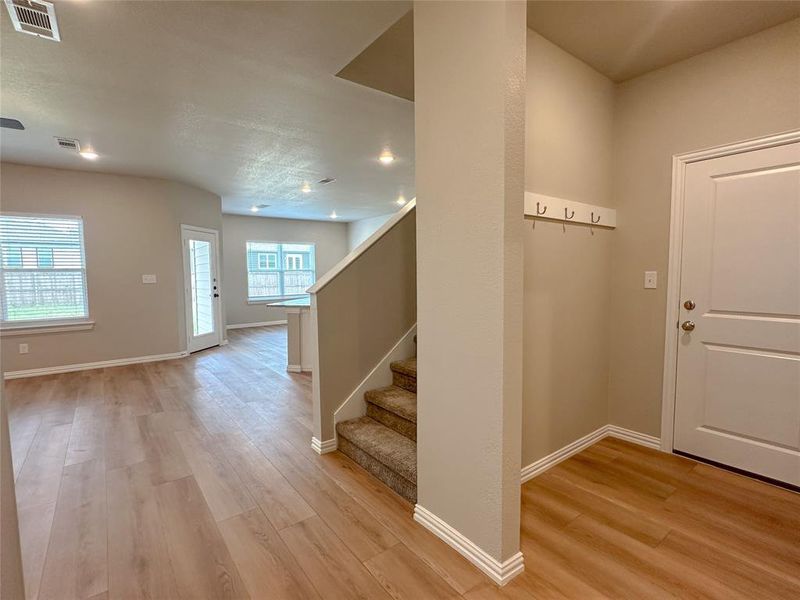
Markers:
point(131, 227)
point(582, 134)
point(569, 119)
point(330, 240)
point(361, 314)
point(358, 231)
point(470, 96)
point(11, 581)
point(749, 88)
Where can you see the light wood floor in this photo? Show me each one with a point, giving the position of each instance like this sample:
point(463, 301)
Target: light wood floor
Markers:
point(195, 478)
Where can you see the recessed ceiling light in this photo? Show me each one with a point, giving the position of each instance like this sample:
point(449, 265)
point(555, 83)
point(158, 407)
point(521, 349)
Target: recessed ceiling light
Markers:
point(401, 200)
point(89, 154)
point(386, 157)
point(253, 209)
point(306, 188)
point(334, 215)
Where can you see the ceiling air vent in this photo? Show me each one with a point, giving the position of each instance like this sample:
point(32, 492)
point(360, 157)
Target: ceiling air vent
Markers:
point(68, 144)
point(34, 17)
point(11, 123)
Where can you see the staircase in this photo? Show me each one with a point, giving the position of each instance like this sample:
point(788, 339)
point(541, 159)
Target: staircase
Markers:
point(384, 442)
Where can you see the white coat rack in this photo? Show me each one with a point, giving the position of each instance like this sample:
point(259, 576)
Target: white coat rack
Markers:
point(558, 209)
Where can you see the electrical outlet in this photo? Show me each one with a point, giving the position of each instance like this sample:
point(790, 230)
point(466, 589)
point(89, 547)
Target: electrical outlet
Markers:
point(650, 280)
point(149, 279)
point(23, 348)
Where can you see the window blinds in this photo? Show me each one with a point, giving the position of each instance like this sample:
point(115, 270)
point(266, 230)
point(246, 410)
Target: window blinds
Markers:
point(42, 268)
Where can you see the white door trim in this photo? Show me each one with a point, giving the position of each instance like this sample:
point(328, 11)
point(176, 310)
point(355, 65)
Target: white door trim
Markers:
point(187, 309)
point(679, 164)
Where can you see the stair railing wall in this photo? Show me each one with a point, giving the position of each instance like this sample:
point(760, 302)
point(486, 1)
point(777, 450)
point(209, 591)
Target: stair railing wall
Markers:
point(359, 311)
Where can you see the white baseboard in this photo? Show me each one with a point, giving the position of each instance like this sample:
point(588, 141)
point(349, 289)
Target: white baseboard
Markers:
point(499, 572)
point(380, 376)
point(298, 368)
point(117, 362)
point(323, 447)
point(551, 460)
point(634, 437)
point(260, 324)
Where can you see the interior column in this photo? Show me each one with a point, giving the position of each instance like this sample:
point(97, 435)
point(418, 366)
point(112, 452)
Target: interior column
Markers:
point(469, 100)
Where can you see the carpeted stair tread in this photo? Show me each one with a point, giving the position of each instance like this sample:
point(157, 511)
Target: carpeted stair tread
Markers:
point(392, 421)
point(388, 447)
point(395, 399)
point(406, 367)
point(399, 484)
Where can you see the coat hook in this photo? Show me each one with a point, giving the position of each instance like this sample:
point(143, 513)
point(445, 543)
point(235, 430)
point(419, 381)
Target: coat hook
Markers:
point(566, 216)
point(540, 212)
point(598, 219)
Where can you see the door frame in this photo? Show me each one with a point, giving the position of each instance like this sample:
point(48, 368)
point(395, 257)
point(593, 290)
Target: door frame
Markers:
point(187, 284)
point(679, 164)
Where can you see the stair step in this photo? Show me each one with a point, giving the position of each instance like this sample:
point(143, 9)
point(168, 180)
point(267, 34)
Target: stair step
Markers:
point(392, 421)
point(407, 367)
point(394, 407)
point(388, 455)
point(396, 400)
point(404, 374)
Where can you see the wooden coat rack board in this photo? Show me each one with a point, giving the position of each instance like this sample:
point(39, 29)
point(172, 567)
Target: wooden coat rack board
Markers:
point(558, 209)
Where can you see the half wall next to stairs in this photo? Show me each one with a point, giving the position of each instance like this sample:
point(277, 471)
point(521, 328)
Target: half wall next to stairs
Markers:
point(359, 311)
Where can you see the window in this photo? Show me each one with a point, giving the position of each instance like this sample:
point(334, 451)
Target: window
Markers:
point(267, 260)
point(294, 262)
point(266, 280)
point(42, 268)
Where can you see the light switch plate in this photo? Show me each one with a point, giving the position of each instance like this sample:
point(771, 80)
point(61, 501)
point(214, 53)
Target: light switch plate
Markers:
point(650, 280)
point(149, 279)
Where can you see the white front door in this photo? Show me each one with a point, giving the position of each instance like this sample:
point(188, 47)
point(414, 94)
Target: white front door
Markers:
point(738, 380)
point(201, 288)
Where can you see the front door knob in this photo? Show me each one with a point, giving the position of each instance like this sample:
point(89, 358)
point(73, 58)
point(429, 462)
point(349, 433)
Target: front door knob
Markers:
point(687, 325)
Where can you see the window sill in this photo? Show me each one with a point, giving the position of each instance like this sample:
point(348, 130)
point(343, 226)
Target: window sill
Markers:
point(276, 299)
point(33, 329)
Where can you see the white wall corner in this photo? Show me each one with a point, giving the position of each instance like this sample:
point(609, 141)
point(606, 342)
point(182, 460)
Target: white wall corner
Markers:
point(551, 460)
point(323, 447)
point(499, 572)
point(354, 405)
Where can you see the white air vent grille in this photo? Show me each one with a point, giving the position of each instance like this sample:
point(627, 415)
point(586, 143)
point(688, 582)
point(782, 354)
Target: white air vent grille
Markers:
point(35, 18)
point(68, 144)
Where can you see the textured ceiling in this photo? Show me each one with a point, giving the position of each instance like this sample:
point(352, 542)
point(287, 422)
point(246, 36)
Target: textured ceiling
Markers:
point(623, 39)
point(239, 98)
